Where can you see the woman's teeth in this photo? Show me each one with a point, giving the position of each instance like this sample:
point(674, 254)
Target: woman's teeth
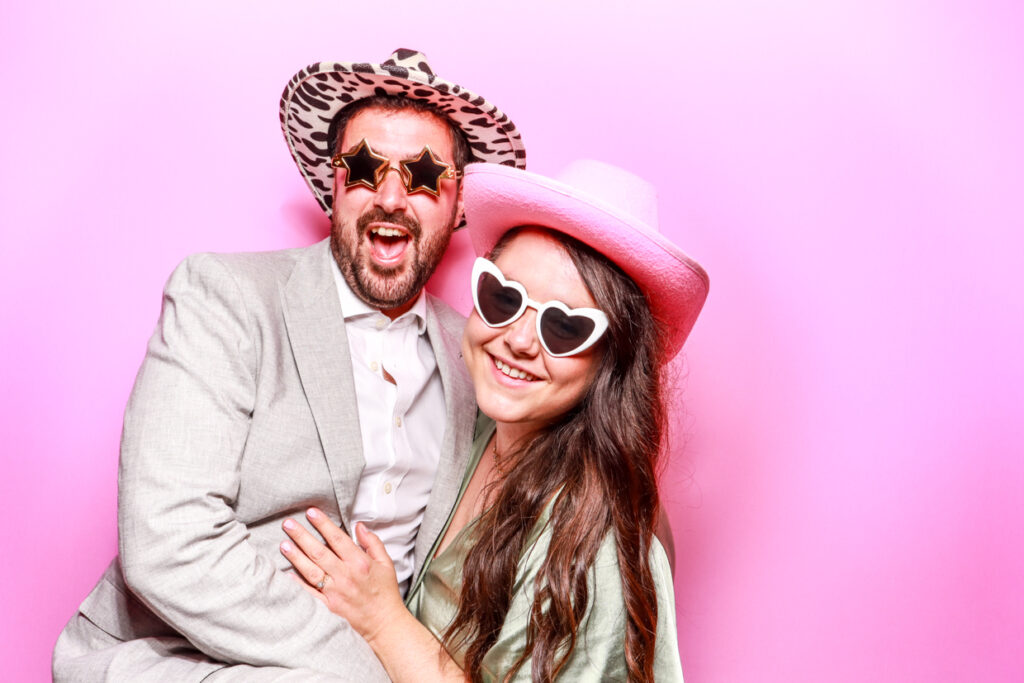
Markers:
point(513, 372)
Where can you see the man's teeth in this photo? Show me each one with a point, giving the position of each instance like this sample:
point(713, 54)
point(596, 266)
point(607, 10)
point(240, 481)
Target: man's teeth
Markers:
point(387, 232)
point(513, 372)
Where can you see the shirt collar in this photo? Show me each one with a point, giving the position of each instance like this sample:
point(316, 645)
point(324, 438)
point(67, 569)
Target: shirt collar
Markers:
point(354, 309)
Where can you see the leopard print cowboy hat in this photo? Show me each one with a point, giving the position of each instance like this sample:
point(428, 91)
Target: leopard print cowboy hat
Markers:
point(607, 208)
point(315, 94)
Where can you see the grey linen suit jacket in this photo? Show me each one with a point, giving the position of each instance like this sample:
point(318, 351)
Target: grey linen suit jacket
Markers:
point(243, 414)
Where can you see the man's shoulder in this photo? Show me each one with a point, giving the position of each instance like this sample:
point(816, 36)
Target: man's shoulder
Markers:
point(256, 271)
point(255, 264)
point(254, 281)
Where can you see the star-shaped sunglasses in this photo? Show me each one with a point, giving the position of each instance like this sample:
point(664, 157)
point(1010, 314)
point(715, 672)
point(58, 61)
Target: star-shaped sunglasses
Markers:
point(562, 331)
point(422, 173)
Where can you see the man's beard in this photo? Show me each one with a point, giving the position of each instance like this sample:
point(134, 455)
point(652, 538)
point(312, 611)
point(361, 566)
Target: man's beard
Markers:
point(382, 287)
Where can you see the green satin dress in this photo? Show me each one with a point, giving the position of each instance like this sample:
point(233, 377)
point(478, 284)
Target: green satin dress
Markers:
point(600, 651)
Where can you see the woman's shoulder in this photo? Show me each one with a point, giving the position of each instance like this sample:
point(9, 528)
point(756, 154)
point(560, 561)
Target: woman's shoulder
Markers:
point(605, 572)
point(606, 563)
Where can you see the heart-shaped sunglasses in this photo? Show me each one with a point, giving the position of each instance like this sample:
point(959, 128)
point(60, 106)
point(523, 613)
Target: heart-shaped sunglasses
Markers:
point(562, 331)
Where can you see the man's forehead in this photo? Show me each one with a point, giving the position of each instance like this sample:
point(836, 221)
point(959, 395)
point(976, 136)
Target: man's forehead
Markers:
point(398, 133)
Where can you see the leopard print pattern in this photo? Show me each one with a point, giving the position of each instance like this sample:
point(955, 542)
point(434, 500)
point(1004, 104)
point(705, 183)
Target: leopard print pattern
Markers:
point(315, 94)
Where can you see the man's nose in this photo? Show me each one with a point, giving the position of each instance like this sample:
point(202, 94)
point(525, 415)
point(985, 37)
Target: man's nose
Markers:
point(391, 193)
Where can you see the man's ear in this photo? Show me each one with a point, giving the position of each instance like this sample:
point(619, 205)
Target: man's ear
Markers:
point(460, 206)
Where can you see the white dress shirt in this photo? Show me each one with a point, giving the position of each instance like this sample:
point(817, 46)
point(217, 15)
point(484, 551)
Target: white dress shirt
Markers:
point(402, 424)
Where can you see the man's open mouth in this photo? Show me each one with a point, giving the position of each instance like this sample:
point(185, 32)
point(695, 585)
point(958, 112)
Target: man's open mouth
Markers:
point(388, 243)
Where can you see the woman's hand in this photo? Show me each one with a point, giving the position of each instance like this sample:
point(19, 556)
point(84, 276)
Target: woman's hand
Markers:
point(362, 587)
point(359, 586)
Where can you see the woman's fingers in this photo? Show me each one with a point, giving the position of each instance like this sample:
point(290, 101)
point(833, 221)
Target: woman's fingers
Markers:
point(374, 546)
point(298, 578)
point(323, 566)
point(316, 551)
point(312, 572)
point(343, 546)
point(359, 586)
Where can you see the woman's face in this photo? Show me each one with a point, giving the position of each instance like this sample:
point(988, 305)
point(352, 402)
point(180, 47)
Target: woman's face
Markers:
point(517, 383)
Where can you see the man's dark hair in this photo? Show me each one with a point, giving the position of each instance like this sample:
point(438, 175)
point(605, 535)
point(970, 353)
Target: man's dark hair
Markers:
point(391, 103)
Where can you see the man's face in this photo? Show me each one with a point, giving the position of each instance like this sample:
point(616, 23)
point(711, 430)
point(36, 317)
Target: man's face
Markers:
point(388, 242)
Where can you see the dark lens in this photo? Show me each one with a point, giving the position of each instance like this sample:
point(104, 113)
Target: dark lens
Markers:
point(363, 167)
point(497, 304)
point(563, 333)
point(424, 173)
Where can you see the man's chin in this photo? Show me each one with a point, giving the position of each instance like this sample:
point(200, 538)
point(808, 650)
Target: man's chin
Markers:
point(384, 292)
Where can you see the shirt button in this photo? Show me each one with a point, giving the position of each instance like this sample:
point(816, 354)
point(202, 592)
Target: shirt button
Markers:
point(374, 366)
point(381, 323)
point(387, 487)
point(398, 422)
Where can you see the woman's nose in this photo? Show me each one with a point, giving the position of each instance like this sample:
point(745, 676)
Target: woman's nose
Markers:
point(521, 336)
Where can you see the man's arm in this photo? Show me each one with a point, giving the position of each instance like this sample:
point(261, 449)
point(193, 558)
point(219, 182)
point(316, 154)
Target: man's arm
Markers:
point(183, 551)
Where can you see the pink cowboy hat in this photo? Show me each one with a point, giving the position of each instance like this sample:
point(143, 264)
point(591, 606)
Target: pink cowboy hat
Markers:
point(622, 225)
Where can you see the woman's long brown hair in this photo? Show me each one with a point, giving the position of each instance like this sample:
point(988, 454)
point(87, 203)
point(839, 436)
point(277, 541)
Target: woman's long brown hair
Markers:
point(599, 465)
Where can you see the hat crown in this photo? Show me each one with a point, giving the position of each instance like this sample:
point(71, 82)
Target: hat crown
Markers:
point(405, 58)
point(620, 191)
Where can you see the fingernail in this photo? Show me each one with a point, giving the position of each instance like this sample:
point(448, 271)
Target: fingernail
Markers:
point(286, 547)
point(289, 524)
point(312, 513)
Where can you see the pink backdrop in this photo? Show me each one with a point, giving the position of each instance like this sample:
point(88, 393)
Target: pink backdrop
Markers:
point(847, 502)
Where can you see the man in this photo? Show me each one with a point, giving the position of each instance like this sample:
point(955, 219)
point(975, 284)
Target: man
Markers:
point(245, 411)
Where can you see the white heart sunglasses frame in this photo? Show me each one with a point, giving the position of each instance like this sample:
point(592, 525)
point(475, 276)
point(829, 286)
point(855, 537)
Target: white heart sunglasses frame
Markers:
point(600, 320)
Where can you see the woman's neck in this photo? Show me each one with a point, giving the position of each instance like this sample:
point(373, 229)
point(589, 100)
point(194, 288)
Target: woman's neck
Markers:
point(509, 435)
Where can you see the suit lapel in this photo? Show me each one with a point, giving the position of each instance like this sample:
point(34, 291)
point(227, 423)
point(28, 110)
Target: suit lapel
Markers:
point(460, 409)
point(316, 330)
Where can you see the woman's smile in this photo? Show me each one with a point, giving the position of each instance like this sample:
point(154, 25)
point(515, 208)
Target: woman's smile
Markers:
point(518, 384)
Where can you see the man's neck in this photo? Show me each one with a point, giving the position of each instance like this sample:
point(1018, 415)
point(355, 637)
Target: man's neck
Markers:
point(393, 313)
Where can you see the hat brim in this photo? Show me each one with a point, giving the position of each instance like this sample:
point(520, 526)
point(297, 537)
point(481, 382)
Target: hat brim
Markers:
point(317, 93)
point(499, 198)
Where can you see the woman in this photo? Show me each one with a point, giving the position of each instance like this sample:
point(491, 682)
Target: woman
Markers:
point(548, 566)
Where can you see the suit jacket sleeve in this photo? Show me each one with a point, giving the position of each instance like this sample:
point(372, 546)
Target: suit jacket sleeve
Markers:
point(183, 551)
